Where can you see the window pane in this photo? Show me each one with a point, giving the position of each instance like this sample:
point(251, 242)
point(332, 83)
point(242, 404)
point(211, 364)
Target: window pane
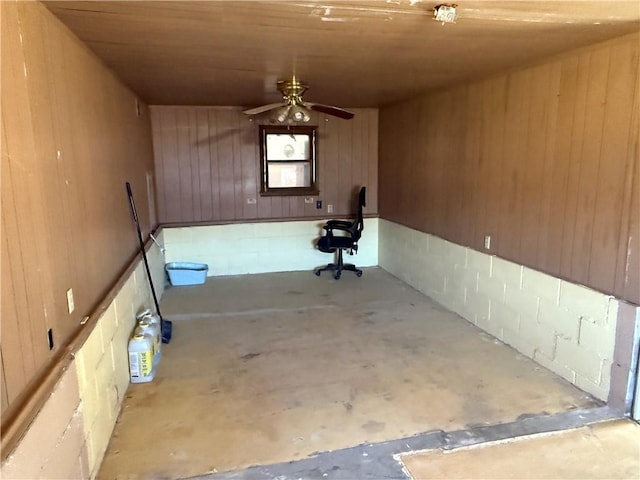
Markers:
point(285, 175)
point(287, 146)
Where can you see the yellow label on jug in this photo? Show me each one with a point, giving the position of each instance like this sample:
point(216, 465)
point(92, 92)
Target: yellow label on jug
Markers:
point(145, 362)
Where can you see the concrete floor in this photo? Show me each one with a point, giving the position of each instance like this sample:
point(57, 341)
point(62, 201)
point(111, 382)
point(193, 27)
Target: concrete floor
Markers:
point(608, 450)
point(278, 367)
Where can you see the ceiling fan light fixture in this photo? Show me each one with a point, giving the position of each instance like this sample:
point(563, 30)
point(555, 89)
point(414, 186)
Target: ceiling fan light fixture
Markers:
point(283, 113)
point(293, 109)
point(299, 114)
point(445, 13)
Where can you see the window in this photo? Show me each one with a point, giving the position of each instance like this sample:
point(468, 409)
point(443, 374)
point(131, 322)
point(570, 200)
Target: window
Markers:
point(288, 160)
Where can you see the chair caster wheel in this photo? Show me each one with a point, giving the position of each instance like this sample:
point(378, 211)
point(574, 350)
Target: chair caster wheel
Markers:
point(337, 276)
point(317, 273)
point(358, 274)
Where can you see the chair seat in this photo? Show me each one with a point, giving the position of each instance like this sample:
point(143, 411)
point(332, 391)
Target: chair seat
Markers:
point(330, 244)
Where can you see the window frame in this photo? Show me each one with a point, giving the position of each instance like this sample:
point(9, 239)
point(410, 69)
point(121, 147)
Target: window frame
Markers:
point(312, 132)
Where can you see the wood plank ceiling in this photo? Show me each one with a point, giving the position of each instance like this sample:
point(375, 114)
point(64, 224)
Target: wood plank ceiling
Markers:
point(351, 53)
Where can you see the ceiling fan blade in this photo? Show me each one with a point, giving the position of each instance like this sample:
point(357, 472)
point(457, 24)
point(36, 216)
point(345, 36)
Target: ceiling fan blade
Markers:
point(263, 108)
point(330, 110)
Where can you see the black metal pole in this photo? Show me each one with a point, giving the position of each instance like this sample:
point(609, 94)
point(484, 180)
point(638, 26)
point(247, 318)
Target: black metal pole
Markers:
point(165, 324)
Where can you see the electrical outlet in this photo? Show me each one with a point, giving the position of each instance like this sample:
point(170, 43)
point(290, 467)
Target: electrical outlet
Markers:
point(70, 304)
point(251, 201)
point(308, 199)
point(329, 208)
point(487, 242)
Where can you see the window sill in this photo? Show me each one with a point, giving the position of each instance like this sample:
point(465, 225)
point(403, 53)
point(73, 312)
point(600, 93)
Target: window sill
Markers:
point(290, 192)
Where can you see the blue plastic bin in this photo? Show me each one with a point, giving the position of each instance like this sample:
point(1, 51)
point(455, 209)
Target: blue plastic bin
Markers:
point(186, 273)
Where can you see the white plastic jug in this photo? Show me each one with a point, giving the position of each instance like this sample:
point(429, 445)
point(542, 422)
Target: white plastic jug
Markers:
point(143, 313)
point(146, 327)
point(141, 365)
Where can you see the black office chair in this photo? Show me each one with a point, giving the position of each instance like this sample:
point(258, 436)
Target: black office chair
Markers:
point(347, 239)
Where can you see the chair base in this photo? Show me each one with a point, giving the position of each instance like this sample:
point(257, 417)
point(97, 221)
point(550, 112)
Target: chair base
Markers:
point(338, 267)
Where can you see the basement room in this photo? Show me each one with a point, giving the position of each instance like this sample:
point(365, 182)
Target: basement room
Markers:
point(294, 239)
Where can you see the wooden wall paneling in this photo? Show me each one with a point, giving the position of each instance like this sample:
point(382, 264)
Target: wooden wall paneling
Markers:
point(16, 337)
point(84, 154)
point(510, 181)
point(250, 154)
point(41, 92)
point(296, 205)
point(407, 165)
point(421, 206)
point(456, 168)
point(203, 154)
point(472, 156)
point(215, 131)
point(158, 154)
point(291, 206)
point(532, 158)
point(432, 182)
point(170, 166)
point(421, 167)
point(28, 261)
point(329, 155)
point(194, 165)
point(407, 150)
point(479, 221)
point(359, 167)
point(553, 245)
point(345, 161)
point(372, 162)
point(570, 196)
point(62, 96)
point(630, 270)
point(151, 198)
point(614, 165)
point(3, 386)
point(627, 279)
point(386, 196)
point(556, 149)
point(440, 129)
point(236, 158)
point(347, 156)
point(404, 153)
point(550, 133)
point(515, 128)
point(458, 173)
point(495, 157)
point(590, 164)
point(185, 175)
point(70, 139)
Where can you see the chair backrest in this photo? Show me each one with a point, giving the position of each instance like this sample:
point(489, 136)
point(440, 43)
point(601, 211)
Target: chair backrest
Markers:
point(358, 224)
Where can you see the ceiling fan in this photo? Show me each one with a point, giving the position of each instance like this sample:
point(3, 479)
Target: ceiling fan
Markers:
point(293, 108)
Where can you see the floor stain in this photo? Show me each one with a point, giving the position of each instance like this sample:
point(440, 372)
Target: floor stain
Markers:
point(373, 427)
point(249, 356)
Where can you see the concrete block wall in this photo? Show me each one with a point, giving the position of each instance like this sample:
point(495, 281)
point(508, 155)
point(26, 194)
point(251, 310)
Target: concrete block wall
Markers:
point(71, 432)
point(54, 446)
point(236, 249)
point(567, 328)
